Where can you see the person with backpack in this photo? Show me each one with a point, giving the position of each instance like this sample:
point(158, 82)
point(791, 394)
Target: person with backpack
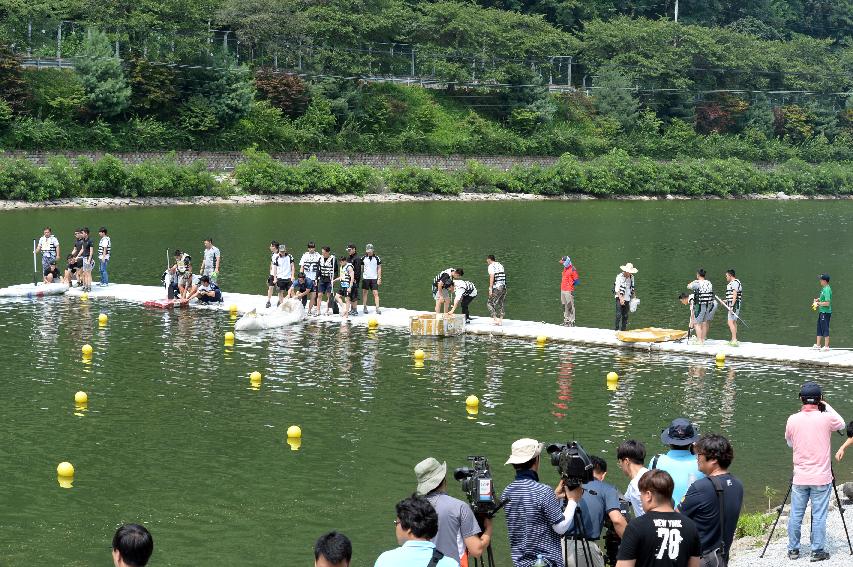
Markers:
point(415, 526)
point(714, 502)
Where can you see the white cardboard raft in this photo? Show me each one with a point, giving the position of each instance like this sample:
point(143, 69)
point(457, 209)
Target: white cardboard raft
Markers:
point(399, 318)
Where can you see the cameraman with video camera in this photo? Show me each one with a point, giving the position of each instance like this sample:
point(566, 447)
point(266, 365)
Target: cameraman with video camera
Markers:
point(535, 519)
point(601, 507)
point(458, 529)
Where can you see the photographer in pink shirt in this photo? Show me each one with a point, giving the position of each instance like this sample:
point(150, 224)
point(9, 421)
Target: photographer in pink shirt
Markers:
point(808, 434)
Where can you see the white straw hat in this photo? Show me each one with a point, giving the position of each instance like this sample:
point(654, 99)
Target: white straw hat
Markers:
point(524, 450)
point(629, 267)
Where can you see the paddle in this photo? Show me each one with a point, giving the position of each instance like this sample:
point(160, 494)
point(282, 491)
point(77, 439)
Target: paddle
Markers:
point(723, 303)
point(167, 281)
point(35, 270)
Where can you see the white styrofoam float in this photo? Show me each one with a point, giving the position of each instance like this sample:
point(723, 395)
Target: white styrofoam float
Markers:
point(289, 312)
point(34, 290)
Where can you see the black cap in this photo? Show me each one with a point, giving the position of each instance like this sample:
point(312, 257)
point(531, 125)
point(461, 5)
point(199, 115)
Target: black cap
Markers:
point(824, 277)
point(679, 432)
point(312, 245)
point(811, 393)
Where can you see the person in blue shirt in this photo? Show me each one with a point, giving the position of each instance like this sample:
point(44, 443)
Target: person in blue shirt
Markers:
point(416, 525)
point(679, 462)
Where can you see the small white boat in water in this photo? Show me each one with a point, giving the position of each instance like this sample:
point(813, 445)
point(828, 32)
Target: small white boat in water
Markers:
point(34, 290)
point(289, 312)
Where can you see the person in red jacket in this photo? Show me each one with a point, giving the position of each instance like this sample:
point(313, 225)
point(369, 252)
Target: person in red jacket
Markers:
point(567, 291)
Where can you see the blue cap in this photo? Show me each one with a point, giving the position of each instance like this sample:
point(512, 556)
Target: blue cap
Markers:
point(824, 277)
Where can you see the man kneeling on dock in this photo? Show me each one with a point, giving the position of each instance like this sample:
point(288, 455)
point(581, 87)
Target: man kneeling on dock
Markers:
point(206, 292)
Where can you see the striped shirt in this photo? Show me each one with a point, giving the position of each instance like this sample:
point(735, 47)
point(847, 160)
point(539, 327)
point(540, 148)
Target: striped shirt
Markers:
point(497, 269)
point(624, 286)
point(104, 247)
point(465, 288)
point(48, 245)
point(531, 512)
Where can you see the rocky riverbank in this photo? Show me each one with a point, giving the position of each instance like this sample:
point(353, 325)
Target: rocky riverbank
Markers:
point(119, 202)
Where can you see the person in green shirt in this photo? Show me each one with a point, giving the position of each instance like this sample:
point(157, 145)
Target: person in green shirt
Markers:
point(823, 304)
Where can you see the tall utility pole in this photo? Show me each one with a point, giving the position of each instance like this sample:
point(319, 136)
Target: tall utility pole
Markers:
point(676, 10)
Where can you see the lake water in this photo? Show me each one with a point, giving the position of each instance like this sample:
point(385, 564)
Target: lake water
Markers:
point(175, 437)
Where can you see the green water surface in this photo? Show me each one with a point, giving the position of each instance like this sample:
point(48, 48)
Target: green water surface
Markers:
point(175, 438)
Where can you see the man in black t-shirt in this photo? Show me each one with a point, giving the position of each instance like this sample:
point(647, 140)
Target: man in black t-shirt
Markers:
point(51, 274)
point(701, 504)
point(661, 537)
point(355, 262)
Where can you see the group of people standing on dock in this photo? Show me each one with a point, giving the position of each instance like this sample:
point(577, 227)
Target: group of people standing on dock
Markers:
point(80, 263)
point(464, 291)
point(318, 272)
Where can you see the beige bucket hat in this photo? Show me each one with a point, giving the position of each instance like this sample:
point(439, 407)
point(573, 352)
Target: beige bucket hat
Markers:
point(524, 450)
point(430, 474)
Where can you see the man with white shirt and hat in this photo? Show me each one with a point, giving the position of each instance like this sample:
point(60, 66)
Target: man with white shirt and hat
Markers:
point(458, 530)
point(623, 291)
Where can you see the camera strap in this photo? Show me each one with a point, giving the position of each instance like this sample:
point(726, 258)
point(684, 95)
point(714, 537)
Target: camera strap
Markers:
point(721, 504)
point(436, 557)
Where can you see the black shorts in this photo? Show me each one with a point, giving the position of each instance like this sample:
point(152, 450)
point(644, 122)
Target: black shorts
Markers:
point(353, 293)
point(270, 281)
point(207, 299)
point(284, 285)
point(369, 284)
point(78, 263)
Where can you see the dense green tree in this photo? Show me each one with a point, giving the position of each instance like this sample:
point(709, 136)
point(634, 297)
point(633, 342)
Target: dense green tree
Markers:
point(13, 89)
point(153, 87)
point(107, 91)
point(614, 98)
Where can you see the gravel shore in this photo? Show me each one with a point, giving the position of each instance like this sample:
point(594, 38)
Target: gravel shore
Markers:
point(118, 202)
point(745, 552)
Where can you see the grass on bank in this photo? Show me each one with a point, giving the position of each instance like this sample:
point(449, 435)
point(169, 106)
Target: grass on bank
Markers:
point(612, 175)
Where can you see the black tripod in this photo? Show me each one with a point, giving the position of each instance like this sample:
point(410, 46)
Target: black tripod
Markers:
point(578, 539)
point(840, 511)
point(488, 558)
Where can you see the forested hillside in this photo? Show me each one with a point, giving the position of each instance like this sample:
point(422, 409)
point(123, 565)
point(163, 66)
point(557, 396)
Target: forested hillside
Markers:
point(764, 80)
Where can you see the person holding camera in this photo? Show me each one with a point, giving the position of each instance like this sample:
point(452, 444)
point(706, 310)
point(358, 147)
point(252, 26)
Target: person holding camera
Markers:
point(714, 502)
point(661, 537)
point(458, 529)
point(415, 526)
point(599, 503)
point(679, 461)
point(535, 519)
point(808, 434)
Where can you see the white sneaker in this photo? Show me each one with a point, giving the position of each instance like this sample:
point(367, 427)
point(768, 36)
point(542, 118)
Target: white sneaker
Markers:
point(815, 347)
point(825, 349)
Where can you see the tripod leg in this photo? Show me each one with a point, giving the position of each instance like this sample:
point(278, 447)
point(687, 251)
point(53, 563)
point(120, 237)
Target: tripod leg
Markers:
point(490, 556)
point(841, 511)
point(779, 515)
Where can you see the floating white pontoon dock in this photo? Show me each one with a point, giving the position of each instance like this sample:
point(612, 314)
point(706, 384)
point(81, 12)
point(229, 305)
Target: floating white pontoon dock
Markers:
point(399, 318)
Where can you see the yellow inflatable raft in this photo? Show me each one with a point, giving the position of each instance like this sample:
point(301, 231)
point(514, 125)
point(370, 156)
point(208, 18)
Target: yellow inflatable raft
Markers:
point(650, 335)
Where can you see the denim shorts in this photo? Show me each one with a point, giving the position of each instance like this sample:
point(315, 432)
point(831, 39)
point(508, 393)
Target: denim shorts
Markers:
point(324, 286)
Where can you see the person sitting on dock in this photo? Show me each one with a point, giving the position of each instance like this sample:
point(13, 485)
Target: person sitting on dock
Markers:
point(567, 290)
point(734, 299)
point(206, 292)
point(464, 292)
point(623, 291)
point(823, 304)
point(51, 274)
point(497, 289)
point(704, 305)
point(347, 281)
point(70, 270)
point(300, 289)
point(440, 283)
point(679, 462)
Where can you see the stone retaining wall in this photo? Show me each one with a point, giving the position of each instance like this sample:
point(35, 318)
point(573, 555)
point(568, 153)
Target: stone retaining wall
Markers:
point(225, 161)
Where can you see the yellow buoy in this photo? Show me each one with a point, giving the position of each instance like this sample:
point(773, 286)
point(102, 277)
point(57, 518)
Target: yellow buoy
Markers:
point(232, 308)
point(81, 398)
point(720, 358)
point(102, 318)
point(373, 323)
point(419, 364)
point(472, 411)
point(255, 376)
point(419, 354)
point(472, 401)
point(229, 338)
point(86, 350)
point(612, 377)
point(541, 340)
point(613, 386)
point(84, 296)
point(65, 481)
point(294, 442)
point(65, 469)
point(294, 432)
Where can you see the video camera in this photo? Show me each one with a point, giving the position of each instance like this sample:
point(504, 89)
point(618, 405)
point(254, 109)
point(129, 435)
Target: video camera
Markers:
point(478, 487)
point(572, 462)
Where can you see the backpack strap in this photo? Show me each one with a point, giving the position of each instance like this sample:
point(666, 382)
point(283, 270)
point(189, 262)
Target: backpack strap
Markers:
point(654, 462)
point(436, 557)
point(721, 505)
